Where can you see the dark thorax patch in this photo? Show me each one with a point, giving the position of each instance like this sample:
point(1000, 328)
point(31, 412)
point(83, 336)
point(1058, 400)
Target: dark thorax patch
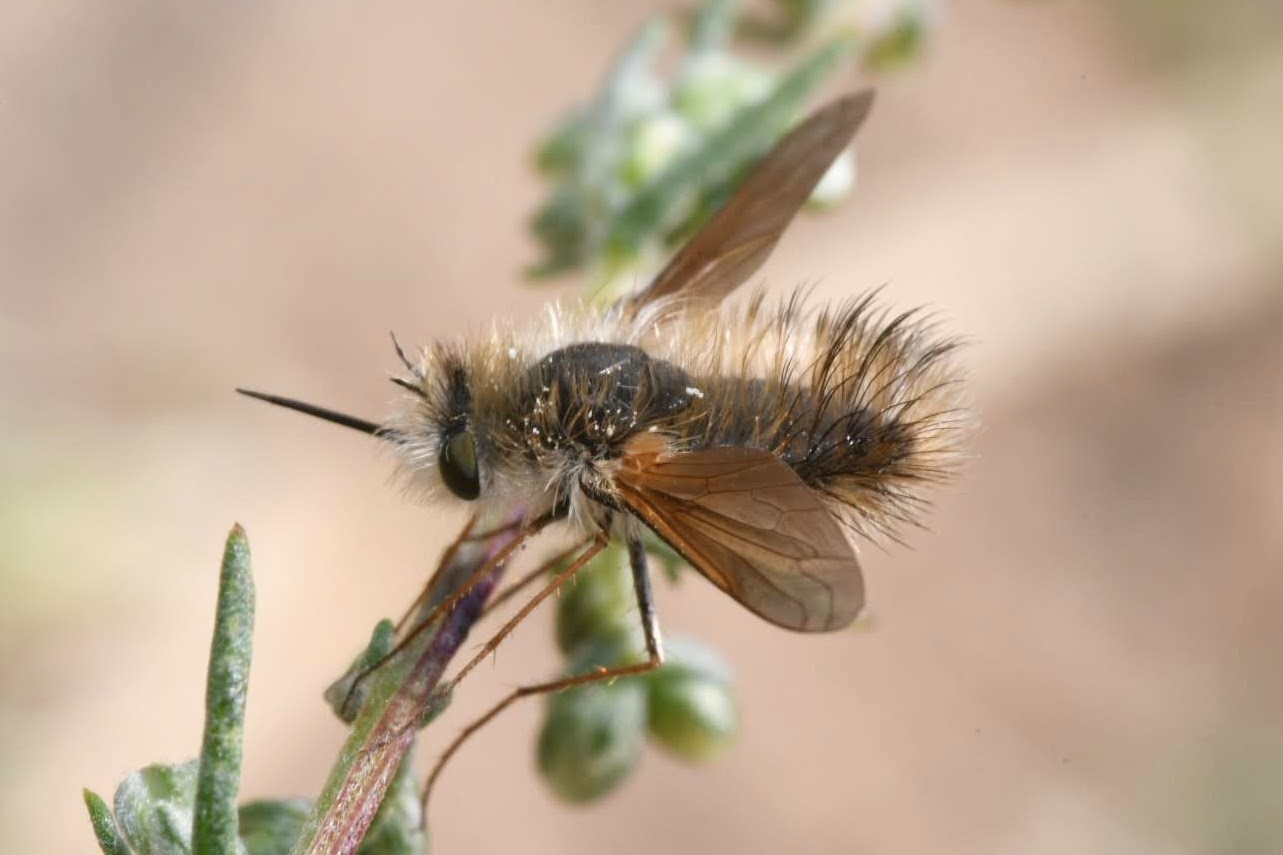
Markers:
point(596, 395)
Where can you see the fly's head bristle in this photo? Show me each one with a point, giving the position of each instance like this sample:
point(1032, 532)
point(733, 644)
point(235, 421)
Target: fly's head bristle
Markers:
point(486, 386)
point(434, 403)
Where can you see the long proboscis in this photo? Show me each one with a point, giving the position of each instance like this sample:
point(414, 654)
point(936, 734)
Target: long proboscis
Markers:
point(362, 425)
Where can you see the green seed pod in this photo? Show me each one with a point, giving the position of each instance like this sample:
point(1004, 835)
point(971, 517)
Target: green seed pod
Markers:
point(598, 603)
point(692, 710)
point(593, 735)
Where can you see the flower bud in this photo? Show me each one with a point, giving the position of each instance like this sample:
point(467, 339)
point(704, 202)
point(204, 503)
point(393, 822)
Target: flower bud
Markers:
point(598, 603)
point(592, 737)
point(692, 710)
point(895, 31)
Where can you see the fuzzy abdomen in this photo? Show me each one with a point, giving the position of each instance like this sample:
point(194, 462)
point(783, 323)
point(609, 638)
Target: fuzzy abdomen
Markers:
point(843, 449)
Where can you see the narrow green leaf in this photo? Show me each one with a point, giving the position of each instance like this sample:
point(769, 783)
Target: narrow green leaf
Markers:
point(215, 824)
point(109, 839)
point(633, 65)
point(713, 23)
point(344, 695)
point(561, 150)
point(572, 224)
point(153, 807)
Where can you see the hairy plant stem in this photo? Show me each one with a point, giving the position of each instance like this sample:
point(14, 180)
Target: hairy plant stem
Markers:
point(402, 696)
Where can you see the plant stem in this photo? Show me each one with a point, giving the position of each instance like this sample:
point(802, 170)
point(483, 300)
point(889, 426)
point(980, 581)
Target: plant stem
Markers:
point(384, 731)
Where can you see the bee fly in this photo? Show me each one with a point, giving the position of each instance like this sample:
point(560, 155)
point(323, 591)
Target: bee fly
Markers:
point(754, 441)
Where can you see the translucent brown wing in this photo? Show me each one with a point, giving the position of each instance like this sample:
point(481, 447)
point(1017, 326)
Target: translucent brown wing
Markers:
point(746, 521)
point(733, 244)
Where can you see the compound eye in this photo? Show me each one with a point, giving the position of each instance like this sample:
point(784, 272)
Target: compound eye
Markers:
point(459, 465)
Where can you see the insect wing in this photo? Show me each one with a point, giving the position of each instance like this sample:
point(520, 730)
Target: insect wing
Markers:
point(735, 242)
point(748, 523)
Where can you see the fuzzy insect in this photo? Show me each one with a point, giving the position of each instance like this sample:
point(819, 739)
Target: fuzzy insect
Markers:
point(756, 441)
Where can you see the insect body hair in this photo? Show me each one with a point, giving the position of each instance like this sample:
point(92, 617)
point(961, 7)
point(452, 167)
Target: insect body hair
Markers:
point(865, 407)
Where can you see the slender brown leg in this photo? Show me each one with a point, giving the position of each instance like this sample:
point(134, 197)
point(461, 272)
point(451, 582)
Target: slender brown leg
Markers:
point(597, 545)
point(449, 602)
point(524, 582)
point(650, 627)
point(468, 535)
point(446, 558)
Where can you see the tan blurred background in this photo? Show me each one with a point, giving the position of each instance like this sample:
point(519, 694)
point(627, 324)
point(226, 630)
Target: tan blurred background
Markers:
point(1085, 655)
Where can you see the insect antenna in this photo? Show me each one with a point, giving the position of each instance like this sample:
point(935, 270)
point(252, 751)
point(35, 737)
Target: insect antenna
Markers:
point(371, 428)
point(405, 360)
point(409, 387)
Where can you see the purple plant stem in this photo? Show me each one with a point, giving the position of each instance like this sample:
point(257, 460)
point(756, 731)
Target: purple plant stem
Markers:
point(387, 741)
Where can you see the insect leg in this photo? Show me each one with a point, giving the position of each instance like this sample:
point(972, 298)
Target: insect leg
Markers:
point(468, 535)
point(597, 545)
point(451, 550)
point(650, 627)
point(524, 582)
point(444, 607)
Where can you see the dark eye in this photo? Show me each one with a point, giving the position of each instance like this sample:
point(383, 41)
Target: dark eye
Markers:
point(459, 465)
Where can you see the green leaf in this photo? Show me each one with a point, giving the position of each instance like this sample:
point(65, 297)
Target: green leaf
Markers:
point(713, 87)
point(631, 77)
point(661, 205)
point(271, 827)
point(340, 695)
point(109, 839)
point(561, 151)
point(153, 807)
point(562, 224)
point(713, 24)
point(215, 826)
point(571, 224)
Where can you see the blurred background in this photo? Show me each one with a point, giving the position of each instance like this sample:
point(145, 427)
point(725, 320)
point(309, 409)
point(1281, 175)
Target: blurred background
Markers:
point(1084, 654)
